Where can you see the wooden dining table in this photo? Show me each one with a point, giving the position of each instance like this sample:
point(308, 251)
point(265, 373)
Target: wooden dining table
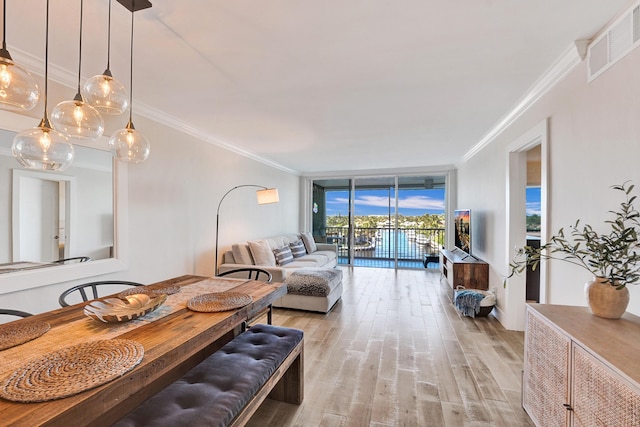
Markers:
point(174, 338)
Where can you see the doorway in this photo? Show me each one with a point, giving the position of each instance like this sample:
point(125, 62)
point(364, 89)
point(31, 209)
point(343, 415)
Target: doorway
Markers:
point(532, 146)
point(533, 218)
point(41, 211)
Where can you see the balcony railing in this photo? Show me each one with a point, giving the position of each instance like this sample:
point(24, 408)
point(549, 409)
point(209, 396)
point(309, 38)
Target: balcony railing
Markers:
point(380, 243)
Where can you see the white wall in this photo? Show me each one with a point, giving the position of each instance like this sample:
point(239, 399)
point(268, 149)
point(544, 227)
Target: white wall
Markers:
point(594, 133)
point(172, 202)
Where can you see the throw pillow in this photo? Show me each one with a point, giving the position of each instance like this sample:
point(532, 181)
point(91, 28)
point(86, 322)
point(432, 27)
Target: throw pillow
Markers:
point(297, 249)
point(241, 254)
point(309, 243)
point(283, 255)
point(262, 254)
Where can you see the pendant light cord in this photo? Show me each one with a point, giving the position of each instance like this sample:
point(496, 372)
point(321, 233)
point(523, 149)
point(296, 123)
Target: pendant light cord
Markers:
point(4, 24)
point(108, 38)
point(131, 70)
point(46, 63)
point(80, 45)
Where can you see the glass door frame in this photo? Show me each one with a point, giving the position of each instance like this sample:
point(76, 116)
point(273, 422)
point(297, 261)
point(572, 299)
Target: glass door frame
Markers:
point(306, 210)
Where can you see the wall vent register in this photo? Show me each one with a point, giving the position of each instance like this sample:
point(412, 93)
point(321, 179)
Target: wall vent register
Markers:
point(615, 42)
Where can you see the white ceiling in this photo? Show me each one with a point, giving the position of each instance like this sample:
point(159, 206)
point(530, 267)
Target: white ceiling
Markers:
point(317, 86)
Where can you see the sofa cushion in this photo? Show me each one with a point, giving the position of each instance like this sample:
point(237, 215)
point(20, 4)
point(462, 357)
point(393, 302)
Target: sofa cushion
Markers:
point(262, 253)
point(298, 249)
point(331, 255)
point(283, 255)
point(301, 263)
point(318, 259)
point(242, 254)
point(309, 243)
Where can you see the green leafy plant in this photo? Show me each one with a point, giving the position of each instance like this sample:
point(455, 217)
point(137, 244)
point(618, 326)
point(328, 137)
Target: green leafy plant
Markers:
point(613, 256)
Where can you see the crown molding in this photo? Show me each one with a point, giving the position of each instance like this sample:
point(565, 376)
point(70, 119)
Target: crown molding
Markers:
point(175, 123)
point(558, 70)
point(64, 77)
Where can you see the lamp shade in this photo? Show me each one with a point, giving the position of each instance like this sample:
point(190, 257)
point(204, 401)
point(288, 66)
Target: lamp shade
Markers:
point(106, 94)
point(18, 89)
point(268, 195)
point(129, 145)
point(42, 148)
point(77, 119)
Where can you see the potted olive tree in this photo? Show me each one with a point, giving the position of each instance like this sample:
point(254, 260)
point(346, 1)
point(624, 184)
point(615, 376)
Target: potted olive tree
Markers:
point(613, 258)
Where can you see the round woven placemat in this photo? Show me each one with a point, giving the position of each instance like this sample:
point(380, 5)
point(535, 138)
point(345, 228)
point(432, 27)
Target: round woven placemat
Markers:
point(219, 301)
point(21, 331)
point(71, 370)
point(151, 290)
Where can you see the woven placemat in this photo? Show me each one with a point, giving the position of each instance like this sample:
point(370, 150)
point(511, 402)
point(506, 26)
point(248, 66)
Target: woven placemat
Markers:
point(151, 290)
point(71, 370)
point(21, 331)
point(219, 301)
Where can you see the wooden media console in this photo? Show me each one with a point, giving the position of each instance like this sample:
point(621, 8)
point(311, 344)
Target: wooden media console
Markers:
point(461, 269)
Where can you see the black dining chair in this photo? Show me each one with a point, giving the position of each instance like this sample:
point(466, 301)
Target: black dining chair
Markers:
point(72, 260)
point(17, 313)
point(94, 289)
point(254, 274)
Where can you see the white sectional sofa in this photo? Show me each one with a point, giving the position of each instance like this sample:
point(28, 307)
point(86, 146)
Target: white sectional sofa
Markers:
point(260, 253)
point(316, 286)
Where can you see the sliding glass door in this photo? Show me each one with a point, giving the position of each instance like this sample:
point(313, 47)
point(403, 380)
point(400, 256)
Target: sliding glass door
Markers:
point(382, 221)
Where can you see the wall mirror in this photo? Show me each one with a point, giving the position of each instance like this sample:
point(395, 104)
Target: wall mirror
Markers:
point(48, 216)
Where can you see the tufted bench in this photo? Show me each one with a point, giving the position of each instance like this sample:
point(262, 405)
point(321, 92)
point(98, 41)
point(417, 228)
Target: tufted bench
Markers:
point(227, 387)
point(312, 289)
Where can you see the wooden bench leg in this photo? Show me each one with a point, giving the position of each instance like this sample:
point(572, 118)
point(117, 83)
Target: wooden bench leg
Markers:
point(290, 388)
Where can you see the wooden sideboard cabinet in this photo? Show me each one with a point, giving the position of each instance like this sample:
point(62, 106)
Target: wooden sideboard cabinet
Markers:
point(579, 369)
point(460, 269)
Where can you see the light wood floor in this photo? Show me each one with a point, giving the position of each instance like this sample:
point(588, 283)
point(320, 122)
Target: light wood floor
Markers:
point(394, 352)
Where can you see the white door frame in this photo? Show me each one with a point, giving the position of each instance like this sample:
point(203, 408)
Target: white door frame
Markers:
point(515, 295)
point(69, 208)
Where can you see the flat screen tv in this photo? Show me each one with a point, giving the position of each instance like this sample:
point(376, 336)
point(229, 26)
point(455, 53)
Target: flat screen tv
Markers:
point(462, 227)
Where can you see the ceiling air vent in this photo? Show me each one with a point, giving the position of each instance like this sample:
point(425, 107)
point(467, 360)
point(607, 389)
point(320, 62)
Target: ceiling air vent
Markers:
point(615, 42)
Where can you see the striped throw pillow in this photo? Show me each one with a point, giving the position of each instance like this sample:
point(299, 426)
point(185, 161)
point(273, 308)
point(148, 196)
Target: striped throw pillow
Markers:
point(283, 255)
point(297, 249)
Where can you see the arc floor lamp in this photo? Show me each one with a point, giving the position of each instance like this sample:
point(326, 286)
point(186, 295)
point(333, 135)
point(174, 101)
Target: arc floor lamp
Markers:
point(264, 195)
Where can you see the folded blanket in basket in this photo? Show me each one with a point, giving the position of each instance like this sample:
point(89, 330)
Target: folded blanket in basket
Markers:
point(468, 302)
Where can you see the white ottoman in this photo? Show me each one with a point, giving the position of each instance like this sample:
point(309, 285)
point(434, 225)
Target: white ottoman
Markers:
point(312, 289)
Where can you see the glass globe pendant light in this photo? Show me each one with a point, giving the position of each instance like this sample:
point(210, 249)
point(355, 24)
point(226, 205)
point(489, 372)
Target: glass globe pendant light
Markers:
point(127, 144)
point(76, 118)
point(18, 89)
point(103, 92)
point(43, 147)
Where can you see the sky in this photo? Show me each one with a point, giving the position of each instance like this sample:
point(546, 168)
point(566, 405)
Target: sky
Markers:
point(533, 201)
point(410, 203)
point(376, 202)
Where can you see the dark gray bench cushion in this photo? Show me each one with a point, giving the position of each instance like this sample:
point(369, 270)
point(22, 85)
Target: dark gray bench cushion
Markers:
point(216, 390)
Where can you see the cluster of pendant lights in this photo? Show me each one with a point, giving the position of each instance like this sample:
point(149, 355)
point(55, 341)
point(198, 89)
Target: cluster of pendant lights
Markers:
point(47, 146)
